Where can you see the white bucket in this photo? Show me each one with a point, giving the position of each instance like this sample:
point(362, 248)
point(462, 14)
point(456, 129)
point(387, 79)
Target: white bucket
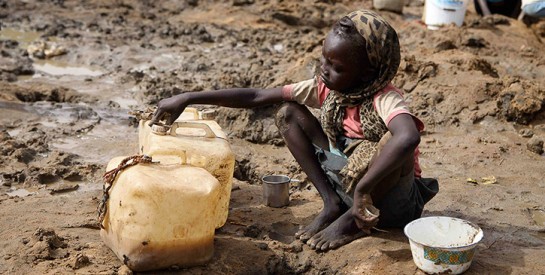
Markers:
point(443, 12)
point(443, 244)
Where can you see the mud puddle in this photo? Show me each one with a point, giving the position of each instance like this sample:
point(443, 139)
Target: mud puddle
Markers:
point(46, 66)
point(24, 38)
point(112, 136)
point(58, 68)
point(19, 192)
point(81, 129)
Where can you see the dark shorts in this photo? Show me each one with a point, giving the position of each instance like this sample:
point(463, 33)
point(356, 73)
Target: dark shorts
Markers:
point(401, 205)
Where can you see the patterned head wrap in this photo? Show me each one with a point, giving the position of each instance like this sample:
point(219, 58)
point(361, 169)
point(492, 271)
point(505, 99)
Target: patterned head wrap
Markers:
point(382, 47)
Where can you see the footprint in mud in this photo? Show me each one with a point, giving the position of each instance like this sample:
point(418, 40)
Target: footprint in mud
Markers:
point(283, 232)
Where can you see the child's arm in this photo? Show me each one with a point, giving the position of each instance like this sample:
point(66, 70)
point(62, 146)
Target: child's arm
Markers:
point(396, 152)
point(235, 98)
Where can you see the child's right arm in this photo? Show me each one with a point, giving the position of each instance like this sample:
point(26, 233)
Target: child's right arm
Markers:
point(235, 98)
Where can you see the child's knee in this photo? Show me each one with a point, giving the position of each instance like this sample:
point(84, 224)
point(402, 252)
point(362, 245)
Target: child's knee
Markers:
point(284, 115)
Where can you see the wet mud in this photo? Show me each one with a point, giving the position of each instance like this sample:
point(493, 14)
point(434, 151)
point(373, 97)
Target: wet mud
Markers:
point(73, 72)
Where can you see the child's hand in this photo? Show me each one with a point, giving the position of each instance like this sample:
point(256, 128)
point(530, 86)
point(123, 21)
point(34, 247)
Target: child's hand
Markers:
point(365, 214)
point(169, 109)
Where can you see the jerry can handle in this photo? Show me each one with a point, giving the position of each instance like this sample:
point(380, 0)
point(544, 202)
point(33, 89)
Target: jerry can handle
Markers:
point(194, 111)
point(208, 131)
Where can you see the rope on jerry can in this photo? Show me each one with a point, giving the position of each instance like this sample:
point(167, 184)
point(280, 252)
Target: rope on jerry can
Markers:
point(109, 178)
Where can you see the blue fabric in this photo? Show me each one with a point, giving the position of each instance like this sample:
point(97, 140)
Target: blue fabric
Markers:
point(401, 205)
point(536, 9)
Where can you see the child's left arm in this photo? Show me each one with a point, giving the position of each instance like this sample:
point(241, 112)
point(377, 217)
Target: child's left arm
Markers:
point(399, 148)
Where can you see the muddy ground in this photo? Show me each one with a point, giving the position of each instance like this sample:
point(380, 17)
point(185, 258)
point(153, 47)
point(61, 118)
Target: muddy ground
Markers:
point(65, 103)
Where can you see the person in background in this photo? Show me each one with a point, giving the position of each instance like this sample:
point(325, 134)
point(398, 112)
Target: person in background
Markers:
point(510, 8)
point(533, 8)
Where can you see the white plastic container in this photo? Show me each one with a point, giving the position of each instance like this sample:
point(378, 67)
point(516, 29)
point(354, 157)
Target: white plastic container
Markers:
point(443, 12)
point(161, 214)
point(443, 244)
point(203, 144)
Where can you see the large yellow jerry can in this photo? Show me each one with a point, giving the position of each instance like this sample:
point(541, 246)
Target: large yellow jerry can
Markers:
point(203, 144)
point(161, 214)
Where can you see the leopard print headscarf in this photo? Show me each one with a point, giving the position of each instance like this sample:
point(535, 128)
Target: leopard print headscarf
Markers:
point(382, 47)
point(383, 51)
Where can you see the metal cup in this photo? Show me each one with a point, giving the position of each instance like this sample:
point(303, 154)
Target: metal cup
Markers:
point(276, 190)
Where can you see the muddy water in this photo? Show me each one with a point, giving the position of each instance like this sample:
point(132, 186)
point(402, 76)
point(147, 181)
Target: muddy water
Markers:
point(21, 192)
point(24, 38)
point(57, 68)
point(110, 136)
point(46, 66)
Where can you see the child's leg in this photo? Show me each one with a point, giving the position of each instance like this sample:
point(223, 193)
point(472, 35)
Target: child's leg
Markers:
point(344, 229)
point(301, 130)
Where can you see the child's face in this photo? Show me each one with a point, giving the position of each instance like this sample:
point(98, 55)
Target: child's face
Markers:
point(339, 69)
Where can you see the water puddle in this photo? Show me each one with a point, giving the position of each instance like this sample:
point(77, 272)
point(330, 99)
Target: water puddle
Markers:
point(20, 193)
point(110, 138)
point(101, 144)
point(108, 133)
point(46, 66)
point(58, 68)
point(51, 114)
point(23, 37)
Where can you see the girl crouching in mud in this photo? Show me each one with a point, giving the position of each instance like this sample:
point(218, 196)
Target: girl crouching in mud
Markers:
point(362, 153)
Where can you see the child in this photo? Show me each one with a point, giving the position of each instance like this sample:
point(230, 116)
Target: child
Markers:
point(361, 155)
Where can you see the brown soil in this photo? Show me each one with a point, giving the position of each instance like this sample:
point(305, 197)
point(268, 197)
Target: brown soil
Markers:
point(479, 88)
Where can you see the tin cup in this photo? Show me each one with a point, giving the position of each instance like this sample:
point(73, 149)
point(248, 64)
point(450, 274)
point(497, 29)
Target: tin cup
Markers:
point(276, 190)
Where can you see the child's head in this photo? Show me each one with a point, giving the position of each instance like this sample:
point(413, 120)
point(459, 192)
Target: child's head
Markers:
point(344, 62)
point(360, 53)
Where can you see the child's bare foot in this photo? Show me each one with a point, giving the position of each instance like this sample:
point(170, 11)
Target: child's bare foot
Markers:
point(337, 234)
point(324, 218)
